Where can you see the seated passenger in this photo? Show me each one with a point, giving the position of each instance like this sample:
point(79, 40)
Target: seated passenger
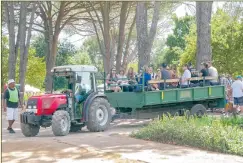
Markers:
point(153, 75)
point(112, 78)
point(131, 79)
point(144, 77)
point(213, 72)
point(122, 80)
point(131, 74)
point(204, 72)
point(158, 75)
point(165, 74)
point(174, 76)
point(185, 77)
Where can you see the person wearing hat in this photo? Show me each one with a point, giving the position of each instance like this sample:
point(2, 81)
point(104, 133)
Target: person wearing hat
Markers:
point(237, 91)
point(11, 104)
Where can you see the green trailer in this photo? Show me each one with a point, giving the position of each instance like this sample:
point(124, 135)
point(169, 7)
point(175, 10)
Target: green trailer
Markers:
point(150, 104)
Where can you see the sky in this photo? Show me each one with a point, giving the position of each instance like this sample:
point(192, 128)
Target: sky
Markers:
point(77, 40)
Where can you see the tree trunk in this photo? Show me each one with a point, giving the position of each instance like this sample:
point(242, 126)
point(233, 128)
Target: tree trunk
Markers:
point(145, 40)
point(203, 15)
point(124, 62)
point(51, 39)
point(105, 14)
point(113, 43)
point(153, 27)
point(123, 16)
point(50, 61)
point(10, 23)
point(22, 38)
point(142, 33)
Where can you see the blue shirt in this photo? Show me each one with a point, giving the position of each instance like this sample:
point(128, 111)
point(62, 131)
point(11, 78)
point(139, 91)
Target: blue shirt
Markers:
point(147, 77)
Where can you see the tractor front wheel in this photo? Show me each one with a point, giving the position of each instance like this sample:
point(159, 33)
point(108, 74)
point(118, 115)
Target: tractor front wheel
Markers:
point(99, 117)
point(29, 130)
point(61, 123)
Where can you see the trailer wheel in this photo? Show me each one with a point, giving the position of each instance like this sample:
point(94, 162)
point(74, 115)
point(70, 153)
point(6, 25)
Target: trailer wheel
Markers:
point(29, 130)
point(61, 123)
point(99, 115)
point(198, 110)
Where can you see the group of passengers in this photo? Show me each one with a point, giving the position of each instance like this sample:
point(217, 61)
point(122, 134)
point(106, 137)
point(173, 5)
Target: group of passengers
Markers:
point(131, 81)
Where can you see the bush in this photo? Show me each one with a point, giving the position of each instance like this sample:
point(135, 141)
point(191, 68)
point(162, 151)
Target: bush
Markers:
point(207, 133)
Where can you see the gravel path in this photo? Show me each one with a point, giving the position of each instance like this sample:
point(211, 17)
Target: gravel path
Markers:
point(113, 145)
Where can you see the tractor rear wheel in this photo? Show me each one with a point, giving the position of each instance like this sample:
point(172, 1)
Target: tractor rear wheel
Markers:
point(61, 123)
point(29, 130)
point(99, 117)
point(198, 110)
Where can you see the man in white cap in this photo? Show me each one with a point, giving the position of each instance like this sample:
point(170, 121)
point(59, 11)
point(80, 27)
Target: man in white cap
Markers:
point(11, 103)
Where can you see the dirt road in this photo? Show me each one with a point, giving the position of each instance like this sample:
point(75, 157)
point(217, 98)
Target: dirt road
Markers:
point(113, 145)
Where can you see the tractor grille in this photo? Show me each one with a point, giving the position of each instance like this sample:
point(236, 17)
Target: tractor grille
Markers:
point(32, 104)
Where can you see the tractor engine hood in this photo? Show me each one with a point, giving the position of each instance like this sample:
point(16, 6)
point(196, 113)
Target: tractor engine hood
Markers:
point(47, 104)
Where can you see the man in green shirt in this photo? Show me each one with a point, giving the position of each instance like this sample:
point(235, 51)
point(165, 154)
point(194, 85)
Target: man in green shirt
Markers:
point(11, 104)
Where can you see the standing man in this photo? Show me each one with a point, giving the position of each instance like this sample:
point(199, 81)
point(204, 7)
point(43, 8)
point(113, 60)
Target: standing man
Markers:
point(11, 104)
point(237, 89)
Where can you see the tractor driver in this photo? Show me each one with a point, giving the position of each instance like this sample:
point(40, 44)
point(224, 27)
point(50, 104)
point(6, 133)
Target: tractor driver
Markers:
point(80, 91)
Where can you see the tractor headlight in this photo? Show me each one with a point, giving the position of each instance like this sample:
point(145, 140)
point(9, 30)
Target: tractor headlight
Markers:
point(29, 107)
point(34, 107)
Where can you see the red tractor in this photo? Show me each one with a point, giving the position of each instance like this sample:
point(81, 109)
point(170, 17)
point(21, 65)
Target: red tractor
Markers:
point(78, 104)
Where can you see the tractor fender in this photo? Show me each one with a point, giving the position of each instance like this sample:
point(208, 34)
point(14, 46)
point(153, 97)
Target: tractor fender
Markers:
point(88, 102)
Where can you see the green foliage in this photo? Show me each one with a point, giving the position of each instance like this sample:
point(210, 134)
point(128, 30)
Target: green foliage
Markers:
point(66, 50)
point(176, 41)
point(4, 54)
point(91, 47)
point(35, 67)
point(134, 66)
point(40, 45)
point(159, 46)
point(36, 70)
point(181, 29)
point(207, 133)
point(227, 43)
point(232, 121)
point(80, 58)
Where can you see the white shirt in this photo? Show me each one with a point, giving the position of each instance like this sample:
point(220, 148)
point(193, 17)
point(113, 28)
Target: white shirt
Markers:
point(186, 75)
point(123, 78)
point(213, 72)
point(237, 88)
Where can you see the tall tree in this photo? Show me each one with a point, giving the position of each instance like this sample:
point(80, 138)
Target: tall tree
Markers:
point(145, 39)
point(9, 11)
point(123, 17)
point(203, 17)
point(55, 16)
point(24, 42)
